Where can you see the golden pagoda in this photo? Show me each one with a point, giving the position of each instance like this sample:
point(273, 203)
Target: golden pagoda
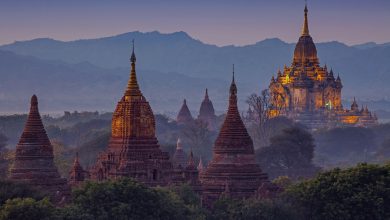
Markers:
point(133, 149)
point(309, 93)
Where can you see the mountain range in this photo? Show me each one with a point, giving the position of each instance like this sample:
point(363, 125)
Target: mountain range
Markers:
point(91, 74)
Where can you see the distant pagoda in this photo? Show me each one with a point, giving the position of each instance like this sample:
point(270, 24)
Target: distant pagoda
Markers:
point(207, 113)
point(184, 116)
point(133, 149)
point(77, 174)
point(311, 94)
point(233, 166)
point(34, 159)
point(179, 157)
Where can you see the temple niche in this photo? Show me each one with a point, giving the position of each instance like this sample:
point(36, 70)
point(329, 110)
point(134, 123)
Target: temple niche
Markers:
point(311, 94)
point(34, 159)
point(233, 170)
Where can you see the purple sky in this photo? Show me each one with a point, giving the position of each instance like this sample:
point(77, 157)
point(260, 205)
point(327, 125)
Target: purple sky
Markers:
point(220, 22)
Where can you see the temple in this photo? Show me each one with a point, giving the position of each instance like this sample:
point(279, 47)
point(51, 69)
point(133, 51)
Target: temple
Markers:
point(207, 113)
point(133, 149)
point(233, 167)
point(77, 174)
point(184, 117)
point(179, 157)
point(34, 162)
point(311, 94)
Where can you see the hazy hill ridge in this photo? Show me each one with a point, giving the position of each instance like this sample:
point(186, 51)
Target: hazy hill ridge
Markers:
point(172, 64)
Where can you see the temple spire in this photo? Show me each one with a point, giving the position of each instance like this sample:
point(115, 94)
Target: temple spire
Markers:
point(233, 87)
point(206, 95)
point(132, 85)
point(305, 29)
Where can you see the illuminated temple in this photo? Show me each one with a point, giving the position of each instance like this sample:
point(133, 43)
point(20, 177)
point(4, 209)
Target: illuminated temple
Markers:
point(311, 94)
point(133, 149)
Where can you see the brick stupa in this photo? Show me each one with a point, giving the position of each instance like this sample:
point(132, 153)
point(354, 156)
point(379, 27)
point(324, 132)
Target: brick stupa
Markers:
point(233, 166)
point(184, 116)
point(133, 149)
point(207, 113)
point(34, 159)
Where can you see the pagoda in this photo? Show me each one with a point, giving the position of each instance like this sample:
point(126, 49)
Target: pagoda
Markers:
point(233, 163)
point(184, 116)
point(309, 93)
point(179, 157)
point(133, 149)
point(34, 159)
point(207, 113)
point(77, 174)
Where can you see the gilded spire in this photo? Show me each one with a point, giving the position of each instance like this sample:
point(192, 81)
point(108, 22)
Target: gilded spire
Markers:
point(305, 29)
point(132, 85)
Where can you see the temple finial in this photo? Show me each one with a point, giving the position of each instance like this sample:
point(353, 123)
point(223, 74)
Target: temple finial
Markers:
point(305, 29)
point(206, 95)
point(233, 75)
point(233, 87)
point(133, 58)
point(132, 85)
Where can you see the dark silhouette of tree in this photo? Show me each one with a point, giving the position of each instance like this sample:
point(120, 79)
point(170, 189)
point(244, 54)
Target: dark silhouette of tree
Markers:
point(361, 192)
point(289, 154)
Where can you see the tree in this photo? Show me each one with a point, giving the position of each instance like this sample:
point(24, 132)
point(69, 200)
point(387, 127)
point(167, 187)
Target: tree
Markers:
point(252, 209)
point(289, 154)
point(345, 146)
point(261, 122)
point(361, 192)
point(11, 190)
point(27, 208)
point(198, 136)
point(127, 199)
point(261, 114)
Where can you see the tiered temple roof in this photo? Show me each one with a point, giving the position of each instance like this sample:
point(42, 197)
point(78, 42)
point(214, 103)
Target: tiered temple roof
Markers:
point(233, 159)
point(34, 162)
point(133, 149)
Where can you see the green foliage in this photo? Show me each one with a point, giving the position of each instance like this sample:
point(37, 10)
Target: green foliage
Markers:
point(358, 193)
point(227, 208)
point(26, 208)
point(11, 190)
point(192, 201)
point(289, 153)
point(127, 199)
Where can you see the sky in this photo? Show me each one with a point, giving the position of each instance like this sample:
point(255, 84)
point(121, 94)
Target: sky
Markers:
point(219, 22)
